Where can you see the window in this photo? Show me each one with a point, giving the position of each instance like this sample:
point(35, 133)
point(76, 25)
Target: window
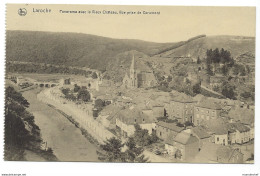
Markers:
point(135, 120)
point(160, 133)
point(143, 120)
point(217, 139)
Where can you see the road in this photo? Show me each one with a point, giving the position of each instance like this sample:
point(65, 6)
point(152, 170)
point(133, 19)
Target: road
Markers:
point(62, 136)
point(156, 158)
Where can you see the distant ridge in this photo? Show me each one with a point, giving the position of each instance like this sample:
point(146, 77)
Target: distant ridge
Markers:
point(112, 55)
point(73, 49)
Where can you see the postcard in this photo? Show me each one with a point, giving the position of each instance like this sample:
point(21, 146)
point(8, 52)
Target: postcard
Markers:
point(133, 84)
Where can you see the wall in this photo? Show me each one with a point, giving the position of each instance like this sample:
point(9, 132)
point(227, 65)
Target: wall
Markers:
point(163, 132)
point(191, 150)
point(158, 111)
point(80, 114)
point(182, 111)
point(201, 114)
point(223, 139)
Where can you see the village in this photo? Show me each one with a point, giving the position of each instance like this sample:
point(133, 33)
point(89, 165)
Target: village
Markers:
point(195, 129)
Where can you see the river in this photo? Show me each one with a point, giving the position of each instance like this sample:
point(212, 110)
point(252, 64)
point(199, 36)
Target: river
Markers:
point(62, 136)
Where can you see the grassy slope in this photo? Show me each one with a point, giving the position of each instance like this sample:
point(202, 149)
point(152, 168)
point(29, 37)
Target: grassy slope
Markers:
point(236, 45)
point(71, 48)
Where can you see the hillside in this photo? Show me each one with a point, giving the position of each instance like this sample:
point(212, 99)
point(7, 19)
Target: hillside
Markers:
point(114, 55)
point(72, 49)
point(237, 45)
point(116, 70)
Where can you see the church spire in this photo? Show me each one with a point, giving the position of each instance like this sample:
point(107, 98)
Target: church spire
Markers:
point(133, 62)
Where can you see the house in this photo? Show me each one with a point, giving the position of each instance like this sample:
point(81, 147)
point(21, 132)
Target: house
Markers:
point(226, 154)
point(163, 129)
point(140, 75)
point(245, 116)
point(183, 146)
point(213, 153)
point(107, 117)
point(218, 130)
point(181, 108)
point(127, 118)
point(201, 134)
point(241, 133)
point(206, 110)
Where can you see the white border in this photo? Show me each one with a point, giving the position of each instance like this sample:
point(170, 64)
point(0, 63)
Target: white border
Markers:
point(68, 168)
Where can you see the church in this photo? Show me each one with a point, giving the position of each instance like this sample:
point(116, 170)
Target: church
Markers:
point(139, 75)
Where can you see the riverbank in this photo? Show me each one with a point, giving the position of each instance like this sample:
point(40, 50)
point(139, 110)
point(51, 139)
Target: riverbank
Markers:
point(61, 135)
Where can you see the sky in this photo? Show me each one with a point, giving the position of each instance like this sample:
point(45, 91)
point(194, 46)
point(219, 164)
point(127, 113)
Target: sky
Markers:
point(174, 23)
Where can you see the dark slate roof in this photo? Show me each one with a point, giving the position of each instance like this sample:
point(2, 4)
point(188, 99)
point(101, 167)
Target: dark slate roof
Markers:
point(224, 153)
point(185, 138)
point(170, 126)
point(183, 98)
point(209, 104)
point(238, 126)
point(200, 132)
point(217, 126)
point(245, 116)
point(128, 116)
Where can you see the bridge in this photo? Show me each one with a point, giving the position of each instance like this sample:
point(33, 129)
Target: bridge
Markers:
point(46, 84)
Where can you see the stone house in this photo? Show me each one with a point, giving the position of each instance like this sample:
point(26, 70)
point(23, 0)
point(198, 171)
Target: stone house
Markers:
point(127, 118)
point(206, 110)
point(240, 133)
point(218, 130)
point(163, 130)
point(181, 108)
point(183, 146)
point(227, 154)
point(201, 134)
point(213, 153)
point(107, 117)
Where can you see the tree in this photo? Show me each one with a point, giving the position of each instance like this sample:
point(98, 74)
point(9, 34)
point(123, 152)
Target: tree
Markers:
point(141, 136)
point(154, 137)
point(76, 88)
point(16, 96)
point(246, 94)
point(99, 104)
point(196, 88)
point(224, 70)
point(134, 153)
point(94, 75)
point(198, 60)
point(228, 91)
point(83, 95)
point(65, 91)
point(112, 151)
point(188, 123)
point(169, 79)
